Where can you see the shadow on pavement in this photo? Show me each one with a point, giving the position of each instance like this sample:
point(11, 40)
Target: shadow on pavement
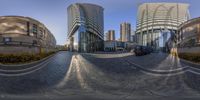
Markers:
point(192, 79)
point(39, 81)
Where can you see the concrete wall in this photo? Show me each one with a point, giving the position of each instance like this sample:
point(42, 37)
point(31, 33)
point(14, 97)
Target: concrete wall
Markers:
point(24, 50)
point(189, 50)
point(18, 50)
point(186, 50)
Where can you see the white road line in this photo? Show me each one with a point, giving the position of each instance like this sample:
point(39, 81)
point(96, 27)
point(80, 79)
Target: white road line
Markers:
point(166, 72)
point(21, 74)
point(194, 72)
point(169, 74)
point(2, 70)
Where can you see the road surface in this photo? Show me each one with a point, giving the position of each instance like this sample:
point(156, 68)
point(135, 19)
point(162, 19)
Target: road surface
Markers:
point(122, 76)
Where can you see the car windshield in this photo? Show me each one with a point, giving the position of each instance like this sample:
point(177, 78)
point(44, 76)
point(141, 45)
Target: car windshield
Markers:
point(99, 49)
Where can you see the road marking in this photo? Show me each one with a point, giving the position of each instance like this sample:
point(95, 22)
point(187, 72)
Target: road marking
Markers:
point(26, 69)
point(170, 72)
point(194, 72)
point(37, 67)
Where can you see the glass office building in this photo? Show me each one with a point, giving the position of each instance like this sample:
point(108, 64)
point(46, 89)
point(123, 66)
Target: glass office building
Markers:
point(85, 27)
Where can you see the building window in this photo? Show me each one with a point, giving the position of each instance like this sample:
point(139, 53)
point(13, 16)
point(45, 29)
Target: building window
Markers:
point(7, 39)
point(41, 33)
point(34, 29)
point(34, 42)
point(44, 35)
point(28, 30)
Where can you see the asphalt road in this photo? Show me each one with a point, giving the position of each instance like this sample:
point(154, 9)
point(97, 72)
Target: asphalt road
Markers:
point(123, 76)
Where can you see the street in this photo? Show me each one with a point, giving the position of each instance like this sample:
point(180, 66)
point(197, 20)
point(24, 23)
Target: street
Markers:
point(104, 76)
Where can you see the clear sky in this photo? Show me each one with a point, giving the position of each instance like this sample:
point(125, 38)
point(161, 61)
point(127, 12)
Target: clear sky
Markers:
point(53, 13)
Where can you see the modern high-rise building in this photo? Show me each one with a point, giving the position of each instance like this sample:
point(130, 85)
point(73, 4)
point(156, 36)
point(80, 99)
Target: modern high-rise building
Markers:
point(110, 35)
point(125, 32)
point(157, 22)
point(85, 27)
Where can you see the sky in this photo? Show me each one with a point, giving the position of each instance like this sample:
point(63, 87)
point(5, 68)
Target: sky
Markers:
point(53, 13)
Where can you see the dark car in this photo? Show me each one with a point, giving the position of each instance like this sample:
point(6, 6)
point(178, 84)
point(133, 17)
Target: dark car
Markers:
point(142, 50)
point(147, 50)
point(138, 51)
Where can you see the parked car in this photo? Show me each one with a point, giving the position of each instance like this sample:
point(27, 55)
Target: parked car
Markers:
point(147, 50)
point(142, 50)
point(138, 51)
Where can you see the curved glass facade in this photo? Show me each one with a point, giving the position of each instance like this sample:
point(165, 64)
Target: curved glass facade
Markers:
point(85, 25)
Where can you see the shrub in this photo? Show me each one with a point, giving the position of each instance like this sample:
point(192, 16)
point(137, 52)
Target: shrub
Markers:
point(194, 57)
point(22, 58)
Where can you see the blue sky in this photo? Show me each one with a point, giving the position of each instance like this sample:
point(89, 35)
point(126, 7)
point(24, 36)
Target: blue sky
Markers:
point(53, 13)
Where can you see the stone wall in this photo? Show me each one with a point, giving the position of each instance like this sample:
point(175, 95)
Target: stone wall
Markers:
point(18, 50)
point(186, 50)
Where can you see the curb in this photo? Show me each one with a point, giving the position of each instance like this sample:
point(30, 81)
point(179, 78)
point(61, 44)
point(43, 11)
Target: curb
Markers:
point(190, 63)
point(193, 66)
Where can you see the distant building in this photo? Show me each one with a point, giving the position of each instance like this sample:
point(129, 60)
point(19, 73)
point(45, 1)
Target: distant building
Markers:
point(110, 35)
point(125, 32)
point(85, 27)
point(133, 37)
point(118, 39)
point(61, 47)
point(20, 34)
point(110, 46)
point(157, 22)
